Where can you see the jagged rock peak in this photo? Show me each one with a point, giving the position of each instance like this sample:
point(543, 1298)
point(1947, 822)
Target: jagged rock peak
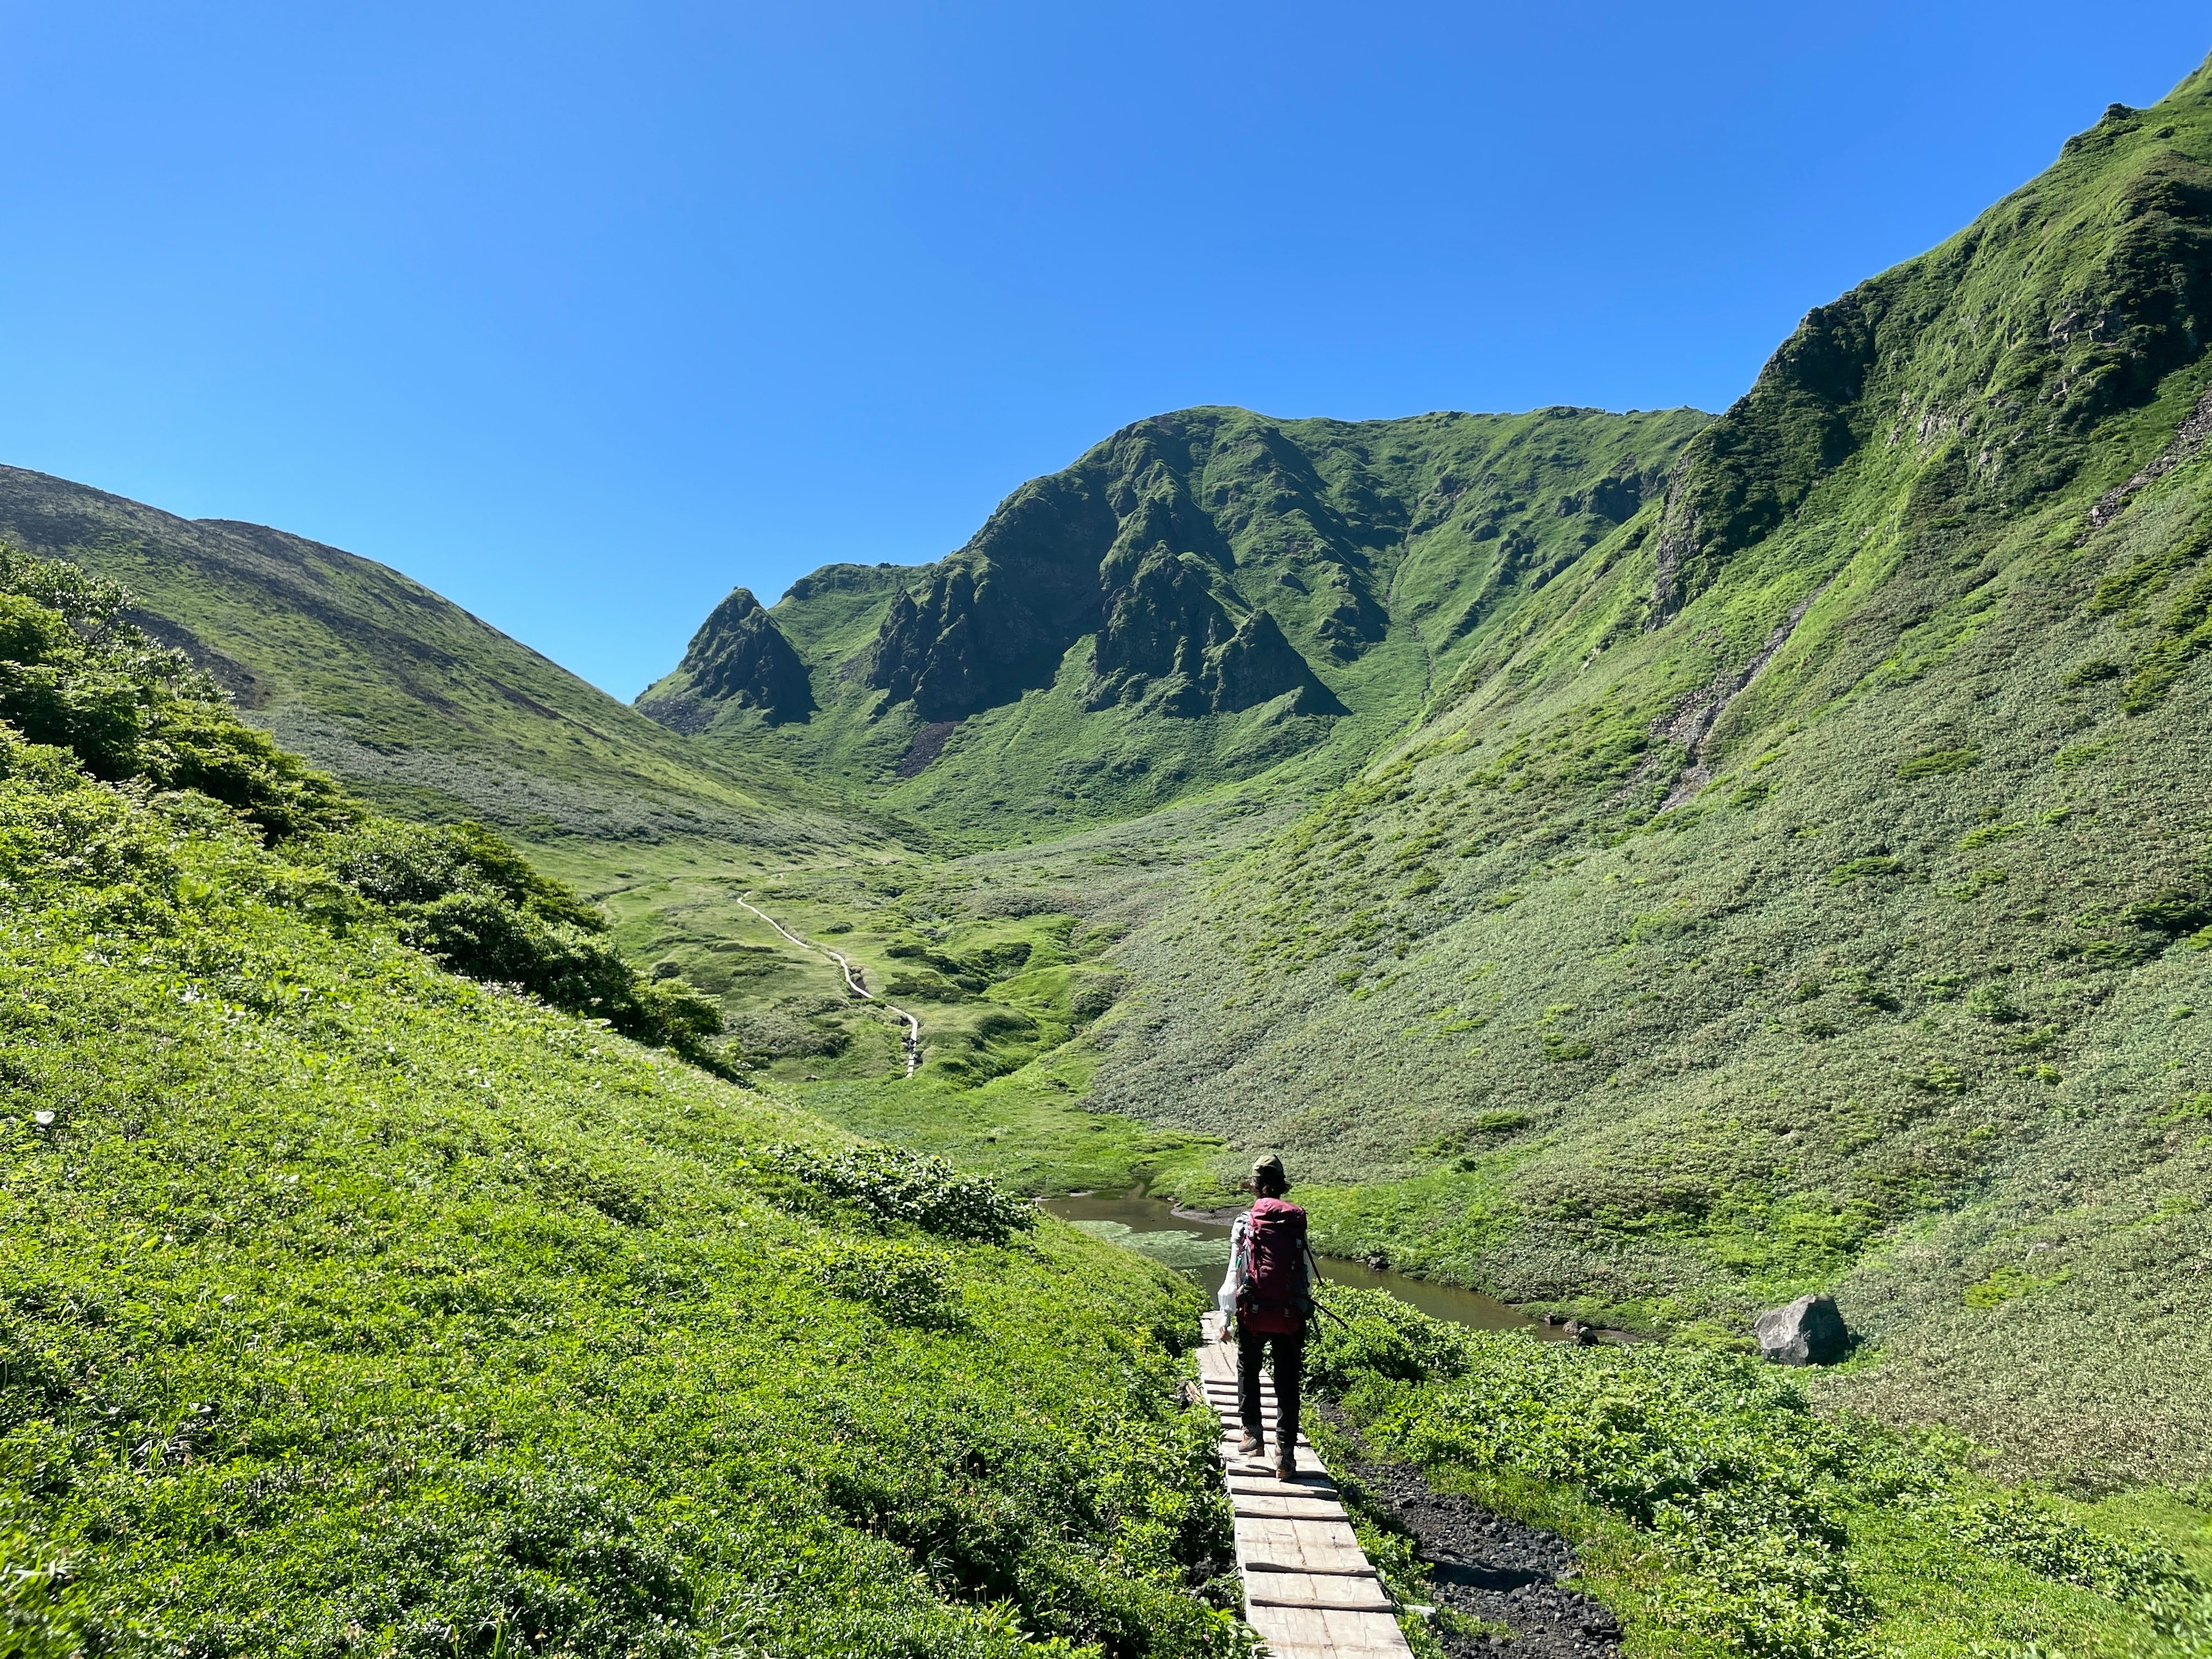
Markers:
point(1257, 664)
point(739, 656)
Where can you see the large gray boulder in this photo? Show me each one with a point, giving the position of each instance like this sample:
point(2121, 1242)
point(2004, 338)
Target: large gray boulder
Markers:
point(1808, 1332)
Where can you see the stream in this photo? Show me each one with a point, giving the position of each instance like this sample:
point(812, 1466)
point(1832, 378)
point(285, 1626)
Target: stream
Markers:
point(1198, 1246)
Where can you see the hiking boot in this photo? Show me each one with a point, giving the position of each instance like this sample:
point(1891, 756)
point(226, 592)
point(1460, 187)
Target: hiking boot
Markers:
point(1252, 1446)
point(1286, 1466)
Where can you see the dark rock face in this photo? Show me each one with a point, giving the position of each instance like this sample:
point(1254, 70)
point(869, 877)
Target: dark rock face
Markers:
point(1257, 664)
point(1159, 625)
point(1808, 1332)
point(1166, 640)
point(996, 617)
point(1212, 560)
point(740, 655)
point(1116, 547)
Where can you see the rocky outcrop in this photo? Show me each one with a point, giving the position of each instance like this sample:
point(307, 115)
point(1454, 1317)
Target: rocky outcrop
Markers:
point(1808, 1332)
point(1158, 624)
point(1257, 664)
point(1212, 560)
point(994, 620)
point(739, 656)
point(1168, 642)
point(1746, 472)
point(1123, 553)
point(2186, 444)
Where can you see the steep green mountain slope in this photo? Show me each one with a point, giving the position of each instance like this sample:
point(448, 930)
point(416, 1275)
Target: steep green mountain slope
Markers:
point(1201, 597)
point(1812, 885)
point(350, 1306)
point(408, 698)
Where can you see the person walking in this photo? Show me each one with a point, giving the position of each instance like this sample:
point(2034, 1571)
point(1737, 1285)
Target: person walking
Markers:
point(1269, 1294)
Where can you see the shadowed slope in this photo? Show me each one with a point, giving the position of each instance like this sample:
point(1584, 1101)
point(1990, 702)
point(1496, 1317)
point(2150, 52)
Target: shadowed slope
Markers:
point(401, 692)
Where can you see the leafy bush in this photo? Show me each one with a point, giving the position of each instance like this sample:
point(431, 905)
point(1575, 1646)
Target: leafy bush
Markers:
point(1746, 1501)
point(1877, 864)
point(893, 1186)
point(1371, 1334)
point(44, 1613)
point(464, 896)
point(904, 1282)
point(74, 675)
point(78, 681)
point(1717, 1458)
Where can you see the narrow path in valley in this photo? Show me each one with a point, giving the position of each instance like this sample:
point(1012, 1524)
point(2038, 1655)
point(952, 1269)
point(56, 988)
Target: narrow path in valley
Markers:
point(855, 982)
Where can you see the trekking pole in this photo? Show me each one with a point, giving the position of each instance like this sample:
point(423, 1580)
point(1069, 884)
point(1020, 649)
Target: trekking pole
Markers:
point(1314, 1262)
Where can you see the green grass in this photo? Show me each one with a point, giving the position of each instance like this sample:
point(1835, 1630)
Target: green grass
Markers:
point(1718, 1514)
point(350, 1306)
point(1030, 1130)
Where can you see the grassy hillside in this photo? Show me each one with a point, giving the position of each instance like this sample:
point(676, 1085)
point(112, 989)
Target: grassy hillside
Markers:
point(1649, 865)
point(1810, 886)
point(1205, 597)
point(410, 700)
point(350, 1306)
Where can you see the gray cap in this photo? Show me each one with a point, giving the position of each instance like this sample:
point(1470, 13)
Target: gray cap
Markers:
point(1268, 1171)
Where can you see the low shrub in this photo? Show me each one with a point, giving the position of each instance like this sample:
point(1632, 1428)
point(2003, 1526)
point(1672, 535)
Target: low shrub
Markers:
point(78, 680)
point(896, 1187)
point(1746, 1504)
point(906, 1283)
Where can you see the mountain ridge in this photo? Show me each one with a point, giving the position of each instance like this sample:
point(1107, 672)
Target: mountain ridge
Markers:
point(1818, 897)
point(410, 698)
point(1231, 574)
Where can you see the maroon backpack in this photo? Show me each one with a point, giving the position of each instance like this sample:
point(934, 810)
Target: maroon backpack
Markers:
point(1274, 1294)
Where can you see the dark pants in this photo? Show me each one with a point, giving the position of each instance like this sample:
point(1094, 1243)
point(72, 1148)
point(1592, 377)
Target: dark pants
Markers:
point(1290, 1363)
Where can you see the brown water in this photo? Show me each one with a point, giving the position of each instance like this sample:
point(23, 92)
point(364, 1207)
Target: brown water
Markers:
point(1199, 1246)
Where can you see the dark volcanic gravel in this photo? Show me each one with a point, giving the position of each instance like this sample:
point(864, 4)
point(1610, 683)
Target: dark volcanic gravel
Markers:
point(1488, 1567)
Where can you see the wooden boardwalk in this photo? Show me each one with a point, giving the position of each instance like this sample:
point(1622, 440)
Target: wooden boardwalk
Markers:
point(1309, 1592)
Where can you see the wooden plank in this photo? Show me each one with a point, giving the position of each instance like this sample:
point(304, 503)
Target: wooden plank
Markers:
point(1346, 1592)
point(1309, 1592)
point(1279, 1490)
point(1315, 1508)
point(1265, 1545)
point(1338, 1632)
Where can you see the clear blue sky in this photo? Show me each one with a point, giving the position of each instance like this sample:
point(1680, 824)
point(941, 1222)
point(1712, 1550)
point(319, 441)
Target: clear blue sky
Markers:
point(584, 314)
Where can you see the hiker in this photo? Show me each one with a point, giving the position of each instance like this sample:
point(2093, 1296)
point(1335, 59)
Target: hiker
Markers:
point(1269, 1294)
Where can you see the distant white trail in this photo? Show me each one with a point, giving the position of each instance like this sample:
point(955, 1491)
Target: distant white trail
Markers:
point(910, 1040)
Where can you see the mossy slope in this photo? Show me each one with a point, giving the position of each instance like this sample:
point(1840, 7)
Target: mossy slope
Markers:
point(406, 696)
point(1807, 887)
